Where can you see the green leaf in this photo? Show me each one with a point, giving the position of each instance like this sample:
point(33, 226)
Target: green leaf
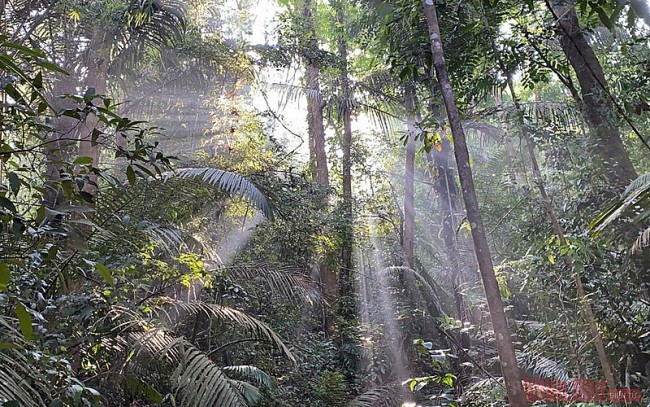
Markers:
point(87, 196)
point(40, 214)
point(130, 175)
point(7, 204)
point(24, 321)
point(89, 95)
point(83, 161)
point(38, 81)
point(551, 259)
point(14, 182)
point(9, 345)
point(105, 273)
point(5, 276)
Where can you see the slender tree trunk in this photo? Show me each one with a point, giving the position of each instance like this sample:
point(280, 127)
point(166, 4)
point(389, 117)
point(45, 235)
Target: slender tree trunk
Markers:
point(97, 63)
point(409, 181)
point(442, 159)
point(509, 368)
point(345, 109)
point(559, 230)
point(597, 106)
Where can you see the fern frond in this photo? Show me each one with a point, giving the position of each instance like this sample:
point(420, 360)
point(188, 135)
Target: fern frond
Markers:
point(232, 183)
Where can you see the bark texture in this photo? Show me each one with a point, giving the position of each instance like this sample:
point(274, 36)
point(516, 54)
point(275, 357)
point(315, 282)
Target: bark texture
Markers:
point(597, 108)
point(509, 368)
point(317, 154)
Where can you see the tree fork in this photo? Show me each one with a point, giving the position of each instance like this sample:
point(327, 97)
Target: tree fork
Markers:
point(509, 368)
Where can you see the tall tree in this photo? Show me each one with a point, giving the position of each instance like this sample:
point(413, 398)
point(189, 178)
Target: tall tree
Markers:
point(315, 104)
point(548, 205)
point(345, 111)
point(509, 367)
point(596, 106)
point(317, 154)
point(409, 170)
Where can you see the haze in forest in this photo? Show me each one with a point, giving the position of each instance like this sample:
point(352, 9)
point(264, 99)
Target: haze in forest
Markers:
point(324, 203)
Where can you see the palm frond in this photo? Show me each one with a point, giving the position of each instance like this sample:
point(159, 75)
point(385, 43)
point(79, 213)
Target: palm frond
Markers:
point(642, 241)
point(232, 183)
point(200, 382)
point(428, 288)
point(543, 366)
point(637, 191)
point(249, 372)
point(286, 281)
point(195, 378)
point(642, 181)
point(19, 380)
point(383, 396)
point(249, 392)
point(259, 329)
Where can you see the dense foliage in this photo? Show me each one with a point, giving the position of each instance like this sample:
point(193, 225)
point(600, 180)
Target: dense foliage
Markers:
point(213, 203)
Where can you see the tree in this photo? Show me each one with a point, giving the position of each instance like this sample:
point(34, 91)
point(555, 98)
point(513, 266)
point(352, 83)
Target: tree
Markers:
point(548, 206)
point(344, 110)
point(596, 103)
point(509, 367)
point(409, 182)
point(315, 102)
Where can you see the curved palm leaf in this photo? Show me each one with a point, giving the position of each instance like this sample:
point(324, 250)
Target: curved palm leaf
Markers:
point(636, 194)
point(195, 378)
point(232, 183)
point(288, 282)
point(259, 329)
point(17, 372)
point(249, 372)
point(249, 392)
point(382, 396)
point(200, 382)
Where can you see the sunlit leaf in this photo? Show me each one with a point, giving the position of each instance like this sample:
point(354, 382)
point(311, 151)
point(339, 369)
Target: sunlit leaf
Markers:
point(24, 321)
point(105, 273)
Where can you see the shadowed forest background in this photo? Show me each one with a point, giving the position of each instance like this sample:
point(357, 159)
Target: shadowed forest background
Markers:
point(324, 203)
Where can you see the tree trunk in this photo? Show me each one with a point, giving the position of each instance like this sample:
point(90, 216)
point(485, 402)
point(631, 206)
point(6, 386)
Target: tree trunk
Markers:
point(317, 154)
point(345, 109)
point(509, 368)
point(597, 105)
point(97, 63)
point(409, 181)
point(559, 230)
point(318, 157)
